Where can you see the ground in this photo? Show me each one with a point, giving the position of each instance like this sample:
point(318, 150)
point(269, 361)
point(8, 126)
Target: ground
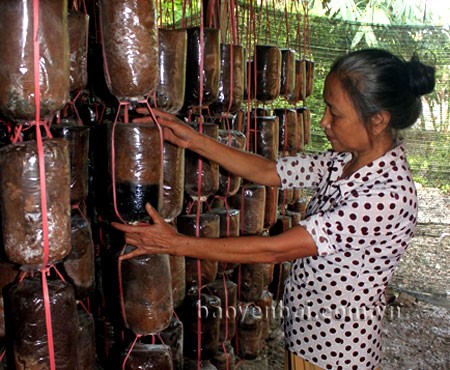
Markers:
point(416, 331)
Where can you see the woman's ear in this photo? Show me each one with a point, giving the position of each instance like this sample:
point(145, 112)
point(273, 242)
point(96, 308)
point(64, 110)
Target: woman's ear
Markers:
point(380, 122)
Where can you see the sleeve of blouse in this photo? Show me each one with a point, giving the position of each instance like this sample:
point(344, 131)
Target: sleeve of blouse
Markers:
point(362, 222)
point(303, 170)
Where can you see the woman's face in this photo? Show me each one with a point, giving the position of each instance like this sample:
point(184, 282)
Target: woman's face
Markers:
point(341, 123)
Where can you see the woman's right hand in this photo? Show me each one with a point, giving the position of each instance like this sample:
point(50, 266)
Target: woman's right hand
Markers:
point(175, 131)
point(252, 167)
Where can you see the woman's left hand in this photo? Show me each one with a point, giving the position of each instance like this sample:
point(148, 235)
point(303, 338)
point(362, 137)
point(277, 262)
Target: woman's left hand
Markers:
point(157, 238)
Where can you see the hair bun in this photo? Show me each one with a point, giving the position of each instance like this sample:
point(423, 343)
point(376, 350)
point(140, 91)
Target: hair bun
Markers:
point(421, 77)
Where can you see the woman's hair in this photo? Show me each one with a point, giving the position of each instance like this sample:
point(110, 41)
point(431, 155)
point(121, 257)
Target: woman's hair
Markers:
point(377, 80)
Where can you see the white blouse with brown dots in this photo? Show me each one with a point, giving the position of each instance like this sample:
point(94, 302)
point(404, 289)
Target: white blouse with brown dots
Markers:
point(334, 302)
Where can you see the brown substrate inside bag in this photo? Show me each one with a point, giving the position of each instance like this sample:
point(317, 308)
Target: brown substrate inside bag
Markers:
point(202, 84)
point(80, 268)
point(282, 224)
point(251, 202)
point(130, 39)
point(17, 87)
point(228, 183)
point(263, 137)
point(230, 223)
point(209, 227)
point(178, 278)
point(250, 278)
point(227, 293)
point(306, 125)
point(300, 82)
point(271, 210)
point(137, 166)
point(208, 271)
point(172, 336)
point(26, 314)
point(209, 324)
point(207, 171)
point(86, 358)
point(268, 311)
point(268, 72)
point(80, 235)
point(78, 23)
point(20, 201)
point(301, 133)
point(224, 358)
point(309, 77)
point(171, 204)
point(247, 343)
point(232, 79)
point(268, 274)
point(280, 274)
point(172, 70)
point(147, 293)
point(149, 356)
point(288, 131)
point(78, 139)
point(287, 84)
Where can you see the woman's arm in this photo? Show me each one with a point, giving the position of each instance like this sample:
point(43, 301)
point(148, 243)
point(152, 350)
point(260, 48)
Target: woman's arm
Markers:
point(162, 238)
point(252, 167)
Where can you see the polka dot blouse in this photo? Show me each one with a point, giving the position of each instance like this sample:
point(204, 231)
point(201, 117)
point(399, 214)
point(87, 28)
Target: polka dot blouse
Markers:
point(334, 302)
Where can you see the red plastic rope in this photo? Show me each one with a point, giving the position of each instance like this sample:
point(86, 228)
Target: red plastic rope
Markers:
point(72, 104)
point(124, 363)
point(42, 177)
point(122, 300)
point(233, 16)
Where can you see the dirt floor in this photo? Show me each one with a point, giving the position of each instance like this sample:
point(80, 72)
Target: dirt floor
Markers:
point(416, 334)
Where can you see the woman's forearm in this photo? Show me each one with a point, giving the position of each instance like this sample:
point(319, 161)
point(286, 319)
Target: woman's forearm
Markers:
point(250, 166)
point(162, 238)
point(295, 243)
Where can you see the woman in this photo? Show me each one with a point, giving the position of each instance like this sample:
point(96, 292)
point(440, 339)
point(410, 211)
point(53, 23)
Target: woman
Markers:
point(358, 223)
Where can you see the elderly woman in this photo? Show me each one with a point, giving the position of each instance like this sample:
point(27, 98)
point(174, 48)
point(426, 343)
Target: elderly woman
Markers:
point(358, 223)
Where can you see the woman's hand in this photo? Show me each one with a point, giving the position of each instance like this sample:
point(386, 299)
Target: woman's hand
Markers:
point(175, 131)
point(149, 239)
point(252, 167)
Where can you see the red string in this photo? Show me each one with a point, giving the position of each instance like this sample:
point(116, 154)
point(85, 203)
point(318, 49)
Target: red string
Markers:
point(61, 277)
point(129, 351)
point(42, 177)
point(71, 104)
point(122, 301)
